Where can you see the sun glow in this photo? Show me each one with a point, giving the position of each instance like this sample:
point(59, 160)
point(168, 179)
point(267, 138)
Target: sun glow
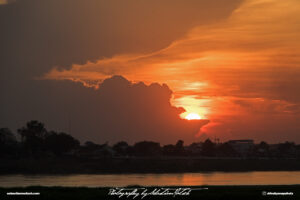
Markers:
point(192, 116)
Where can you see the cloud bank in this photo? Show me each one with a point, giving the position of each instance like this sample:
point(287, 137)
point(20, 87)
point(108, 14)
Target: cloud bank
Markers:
point(243, 68)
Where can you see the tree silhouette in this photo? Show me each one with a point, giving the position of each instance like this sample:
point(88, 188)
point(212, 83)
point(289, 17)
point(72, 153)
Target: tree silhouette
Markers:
point(179, 147)
point(60, 143)
point(208, 148)
point(8, 142)
point(262, 149)
point(32, 136)
point(6, 136)
point(121, 148)
point(263, 145)
point(147, 148)
point(33, 129)
point(287, 148)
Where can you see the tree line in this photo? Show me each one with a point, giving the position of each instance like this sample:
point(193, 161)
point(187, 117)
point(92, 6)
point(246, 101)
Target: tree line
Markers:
point(35, 141)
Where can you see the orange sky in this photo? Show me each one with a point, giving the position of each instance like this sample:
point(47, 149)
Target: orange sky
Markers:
point(241, 72)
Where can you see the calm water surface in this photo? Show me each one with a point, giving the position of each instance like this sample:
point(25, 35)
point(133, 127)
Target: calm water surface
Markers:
point(185, 179)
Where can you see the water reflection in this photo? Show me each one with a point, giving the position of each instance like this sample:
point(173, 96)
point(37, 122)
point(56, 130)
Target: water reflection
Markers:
point(185, 179)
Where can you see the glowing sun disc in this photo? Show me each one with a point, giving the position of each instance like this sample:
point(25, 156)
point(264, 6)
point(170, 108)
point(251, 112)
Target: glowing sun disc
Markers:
point(192, 116)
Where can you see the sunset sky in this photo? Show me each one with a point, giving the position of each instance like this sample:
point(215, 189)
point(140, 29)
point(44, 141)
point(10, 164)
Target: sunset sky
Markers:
point(234, 63)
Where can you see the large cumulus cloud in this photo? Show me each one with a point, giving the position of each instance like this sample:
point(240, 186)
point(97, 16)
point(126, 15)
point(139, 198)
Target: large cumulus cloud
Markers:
point(135, 111)
point(118, 110)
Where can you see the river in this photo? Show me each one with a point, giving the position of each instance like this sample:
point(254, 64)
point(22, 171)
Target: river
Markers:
point(184, 179)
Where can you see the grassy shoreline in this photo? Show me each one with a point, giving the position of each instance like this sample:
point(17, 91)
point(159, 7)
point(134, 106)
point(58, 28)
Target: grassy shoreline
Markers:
point(212, 192)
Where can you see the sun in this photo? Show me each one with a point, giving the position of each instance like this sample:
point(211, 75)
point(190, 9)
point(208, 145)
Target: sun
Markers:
point(192, 116)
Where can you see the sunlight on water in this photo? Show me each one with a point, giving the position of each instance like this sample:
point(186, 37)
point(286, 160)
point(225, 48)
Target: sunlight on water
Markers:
point(185, 179)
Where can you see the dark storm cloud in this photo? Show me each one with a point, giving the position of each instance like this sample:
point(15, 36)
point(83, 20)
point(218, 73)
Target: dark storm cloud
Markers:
point(118, 110)
point(37, 35)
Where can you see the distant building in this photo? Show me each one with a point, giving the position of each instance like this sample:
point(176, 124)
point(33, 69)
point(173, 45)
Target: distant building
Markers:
point(286, 150)
point(241, 146)
point(91, 150)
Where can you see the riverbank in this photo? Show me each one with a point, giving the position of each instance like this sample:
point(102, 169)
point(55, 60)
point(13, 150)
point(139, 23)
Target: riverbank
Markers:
point(196, 192)
point(71, 165)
